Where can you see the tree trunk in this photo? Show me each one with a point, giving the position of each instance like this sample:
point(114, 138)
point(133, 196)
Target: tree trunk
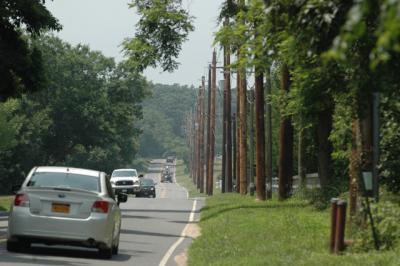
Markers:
point(302, 160)
point(324, 128)
point(286, 145)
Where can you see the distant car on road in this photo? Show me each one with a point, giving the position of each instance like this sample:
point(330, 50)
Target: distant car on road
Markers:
point(166, 177)
point(68, 206)
point(125, 181)
point(147, 188)
point(170, 159)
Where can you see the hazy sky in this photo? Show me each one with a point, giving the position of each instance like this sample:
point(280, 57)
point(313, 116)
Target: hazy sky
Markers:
point(103, 24)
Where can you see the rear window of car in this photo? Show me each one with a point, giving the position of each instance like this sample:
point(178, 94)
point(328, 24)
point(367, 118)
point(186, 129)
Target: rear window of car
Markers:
point(127, 173)
point(65, 180)
point(147, 182)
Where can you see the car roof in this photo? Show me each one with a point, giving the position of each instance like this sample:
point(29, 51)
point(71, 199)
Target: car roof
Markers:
point(63, 169)
point(116, 170)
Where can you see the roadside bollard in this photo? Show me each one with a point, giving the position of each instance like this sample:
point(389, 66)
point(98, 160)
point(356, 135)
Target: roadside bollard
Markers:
point(334, 202)
point(340, 226)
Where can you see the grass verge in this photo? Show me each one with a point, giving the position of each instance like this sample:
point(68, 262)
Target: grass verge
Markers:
point(5, 202)
point(184, 180)
point(237, 230)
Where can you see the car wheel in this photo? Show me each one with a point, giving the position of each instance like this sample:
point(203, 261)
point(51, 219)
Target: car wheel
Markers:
point(12, 246)
point(115, 247)
point(105, 252)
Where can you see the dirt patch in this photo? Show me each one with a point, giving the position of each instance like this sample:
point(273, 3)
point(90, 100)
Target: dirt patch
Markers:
point(193, 231)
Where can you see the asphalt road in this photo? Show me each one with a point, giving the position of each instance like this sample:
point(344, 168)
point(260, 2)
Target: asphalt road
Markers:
point(154, 232)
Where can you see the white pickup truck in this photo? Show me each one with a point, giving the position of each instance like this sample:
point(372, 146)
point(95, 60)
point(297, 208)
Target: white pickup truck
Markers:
point(125, 181)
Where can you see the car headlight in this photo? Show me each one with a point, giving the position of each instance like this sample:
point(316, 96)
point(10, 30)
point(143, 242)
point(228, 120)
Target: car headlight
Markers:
point(112, 182)
point(152, 188)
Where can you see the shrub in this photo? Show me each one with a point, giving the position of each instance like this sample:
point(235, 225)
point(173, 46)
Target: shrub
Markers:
point(386, 217)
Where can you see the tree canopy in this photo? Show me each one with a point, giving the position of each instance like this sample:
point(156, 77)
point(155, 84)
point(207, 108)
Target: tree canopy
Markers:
point(163, 26)
point(20, 60)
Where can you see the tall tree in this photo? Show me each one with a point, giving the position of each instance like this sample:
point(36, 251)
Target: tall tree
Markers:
point(21, 67)
point(162, 28)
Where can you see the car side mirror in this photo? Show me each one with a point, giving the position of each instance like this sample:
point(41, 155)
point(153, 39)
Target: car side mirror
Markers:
point(15, 188)
point(122, 197)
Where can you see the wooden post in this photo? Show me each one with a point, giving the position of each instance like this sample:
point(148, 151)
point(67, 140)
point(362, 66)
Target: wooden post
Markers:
point(334, 202)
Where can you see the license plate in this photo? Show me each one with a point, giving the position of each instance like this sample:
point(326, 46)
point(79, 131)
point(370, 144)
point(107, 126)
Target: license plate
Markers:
point(124, 190)
point(59, 207)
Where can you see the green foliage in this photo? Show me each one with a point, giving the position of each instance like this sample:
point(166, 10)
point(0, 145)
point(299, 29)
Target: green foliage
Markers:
point(5, 203)
point(163, 26)
point(86, 115)
point(390, 154)
point(164, 119)
point(9, 125)
point(386, 216)
point(20, 61)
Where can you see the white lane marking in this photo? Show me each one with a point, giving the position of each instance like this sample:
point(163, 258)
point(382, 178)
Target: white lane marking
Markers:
point(183, 234)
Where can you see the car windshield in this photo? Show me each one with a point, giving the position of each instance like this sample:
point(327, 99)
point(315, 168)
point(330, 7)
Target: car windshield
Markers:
point(124, 173)
point(65, 180)
point(147, 182)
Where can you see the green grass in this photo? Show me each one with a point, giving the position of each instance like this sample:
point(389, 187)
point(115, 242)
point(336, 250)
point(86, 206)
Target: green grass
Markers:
point(5, 202)
point(237, 230)
point(184, 180)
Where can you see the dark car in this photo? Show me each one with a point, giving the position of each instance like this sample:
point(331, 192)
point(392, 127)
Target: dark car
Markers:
point(147, 188)
point(170, 159)
point(166, 177)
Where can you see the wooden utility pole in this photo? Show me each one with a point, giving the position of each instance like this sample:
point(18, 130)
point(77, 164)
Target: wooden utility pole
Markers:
point(189, 141)
point(202, 93)
point(227, 89)
point(208, 146)
point(250, 179)
point(268, 170)
point(260, 135)
point(286, 145)
point(212, 123)
point(223, 148)
point(237, 144)
point(242, 131)
point(198, 149)
point(234, 146)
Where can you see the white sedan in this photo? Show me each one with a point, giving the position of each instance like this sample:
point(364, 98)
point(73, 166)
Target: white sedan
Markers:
point(66, 206)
